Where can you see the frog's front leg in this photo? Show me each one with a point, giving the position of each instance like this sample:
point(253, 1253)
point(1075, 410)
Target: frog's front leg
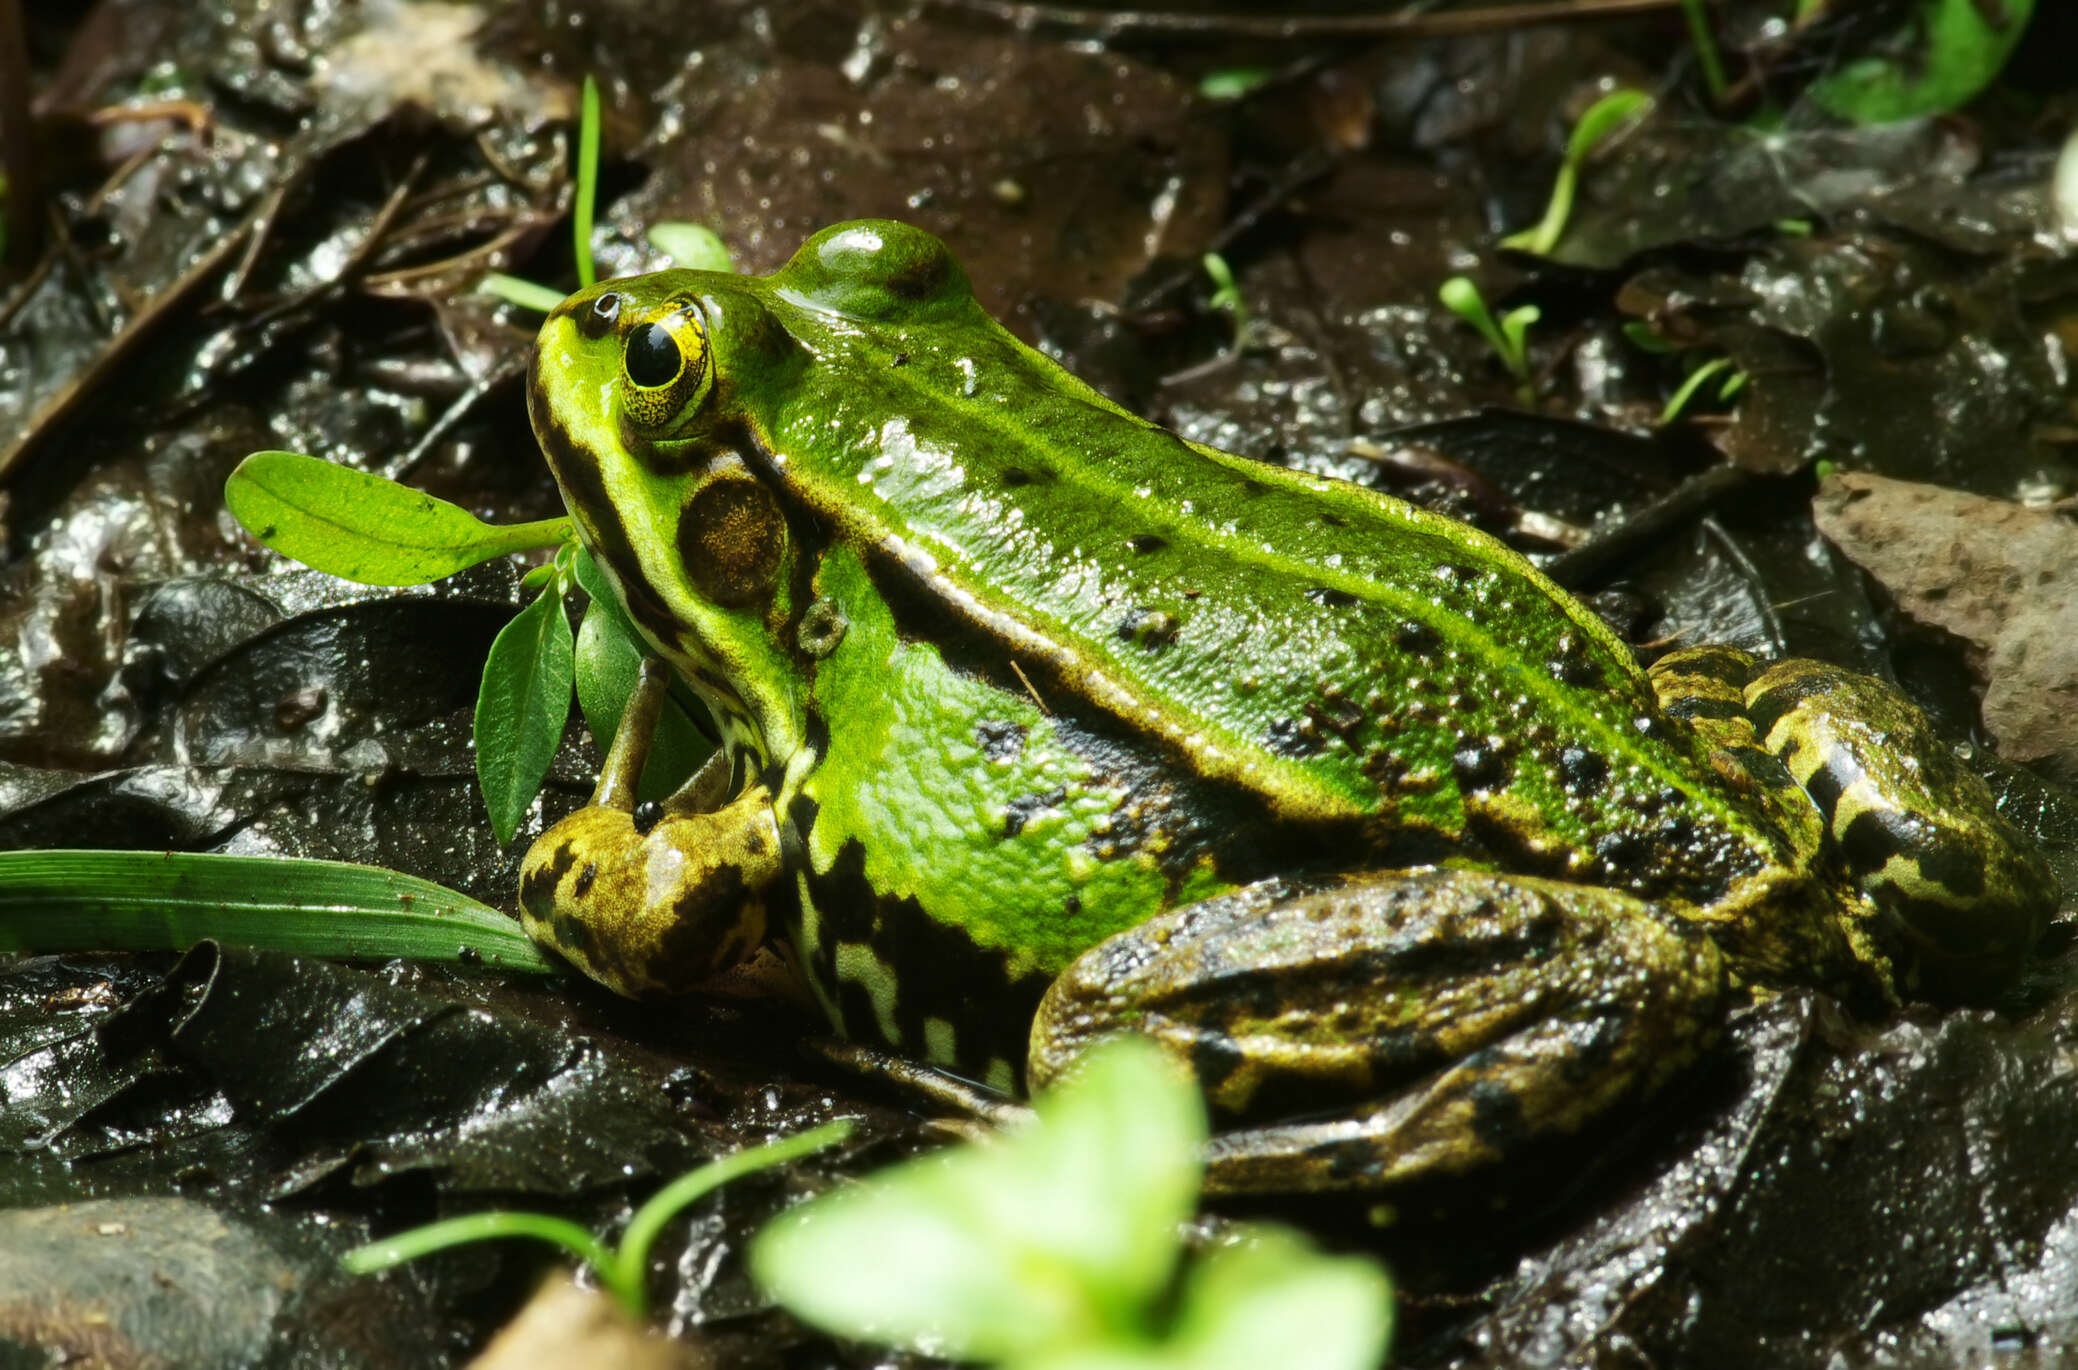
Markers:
point(1424, 1024)
point(653, 912)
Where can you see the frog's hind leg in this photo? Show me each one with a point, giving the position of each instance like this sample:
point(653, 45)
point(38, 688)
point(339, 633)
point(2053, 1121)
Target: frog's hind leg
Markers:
point(653, 912)
point(1420, 1024)
point(1946, 875)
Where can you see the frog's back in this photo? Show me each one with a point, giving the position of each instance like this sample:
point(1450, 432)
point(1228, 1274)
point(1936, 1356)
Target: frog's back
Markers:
point(1341, 653)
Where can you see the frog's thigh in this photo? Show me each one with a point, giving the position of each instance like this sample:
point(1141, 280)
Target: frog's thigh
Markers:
point(1919, 830)
point(1438, 1021)
point(656, 912)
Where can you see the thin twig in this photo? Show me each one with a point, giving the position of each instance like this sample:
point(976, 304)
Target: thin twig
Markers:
point(511, 368)
point(29, 286)
point(262, 229)
point(1403, 23)
point(378, 229)
point(1684, 502)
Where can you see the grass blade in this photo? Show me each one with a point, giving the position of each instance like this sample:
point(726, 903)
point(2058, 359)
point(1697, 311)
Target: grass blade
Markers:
point(73, 901)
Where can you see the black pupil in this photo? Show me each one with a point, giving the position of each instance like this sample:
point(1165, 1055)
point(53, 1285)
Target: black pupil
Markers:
point(653, 355)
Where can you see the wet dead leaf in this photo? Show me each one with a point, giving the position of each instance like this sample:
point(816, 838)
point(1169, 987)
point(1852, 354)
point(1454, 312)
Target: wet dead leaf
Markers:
point(2000, 576)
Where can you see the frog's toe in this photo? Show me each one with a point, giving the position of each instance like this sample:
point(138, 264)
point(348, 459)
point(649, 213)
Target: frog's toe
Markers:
point(1425, 1023)
point(657, 912)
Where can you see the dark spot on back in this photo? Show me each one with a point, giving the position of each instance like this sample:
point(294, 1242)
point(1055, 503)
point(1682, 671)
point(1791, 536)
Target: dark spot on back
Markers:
point(1414, 637)
point(1952, 862)
point(1825, 787)
point(1294, 737)
point(1584, 771)
point(1019, 811)
point(999, 740)
point(1480, 766)
point(1497, 1115)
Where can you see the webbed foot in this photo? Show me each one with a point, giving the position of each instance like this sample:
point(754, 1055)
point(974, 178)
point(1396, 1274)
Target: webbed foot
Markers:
point(653, 912)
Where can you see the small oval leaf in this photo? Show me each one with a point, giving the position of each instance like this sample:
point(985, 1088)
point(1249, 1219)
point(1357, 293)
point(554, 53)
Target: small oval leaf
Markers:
point(366, 529)
point(521, 709)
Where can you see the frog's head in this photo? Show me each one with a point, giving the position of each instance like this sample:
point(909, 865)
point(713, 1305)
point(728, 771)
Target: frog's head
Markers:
point(656, 399)
point(640, 392)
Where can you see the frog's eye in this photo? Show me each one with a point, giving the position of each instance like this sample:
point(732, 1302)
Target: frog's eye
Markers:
point(653, 359)
point(665, 363)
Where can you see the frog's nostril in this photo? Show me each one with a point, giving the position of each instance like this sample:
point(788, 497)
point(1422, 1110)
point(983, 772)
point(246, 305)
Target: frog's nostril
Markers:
point(600, 318)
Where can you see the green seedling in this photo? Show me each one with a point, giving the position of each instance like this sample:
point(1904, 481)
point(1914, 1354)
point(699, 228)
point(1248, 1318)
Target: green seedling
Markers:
point(587, 181)
point(690, 245)
point(621, 1269)
point(1508, 337)
point(1603, 118)
point(1678, 402)
point(1226, 296)
point(1642, 336)
point(1704, 41)
point(1060, 1244)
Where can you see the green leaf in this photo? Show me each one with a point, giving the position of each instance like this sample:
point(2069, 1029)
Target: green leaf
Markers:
point(1266, 1299)
point(690, 245)
point(1515, 327)
point(525, 294)
point(521, 709)
point(1063, 1233)
point(73, 901)
point(1231, 83)
point(364, 528)
point(1962, 53)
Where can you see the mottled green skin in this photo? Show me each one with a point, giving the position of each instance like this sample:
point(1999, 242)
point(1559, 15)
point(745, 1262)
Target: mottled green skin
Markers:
point(1022, 671)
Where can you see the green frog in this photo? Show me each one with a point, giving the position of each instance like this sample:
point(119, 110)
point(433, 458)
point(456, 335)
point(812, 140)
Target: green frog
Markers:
point(1039, 722)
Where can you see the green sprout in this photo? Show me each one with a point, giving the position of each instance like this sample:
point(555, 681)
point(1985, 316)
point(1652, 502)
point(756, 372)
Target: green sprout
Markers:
point(621, 1270)
point(587, 181)
point(1697, 379)
point(1508, 337)
point(1643, 336)
point(1603, 118)
point(1705, 44)
point(1226, 295)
